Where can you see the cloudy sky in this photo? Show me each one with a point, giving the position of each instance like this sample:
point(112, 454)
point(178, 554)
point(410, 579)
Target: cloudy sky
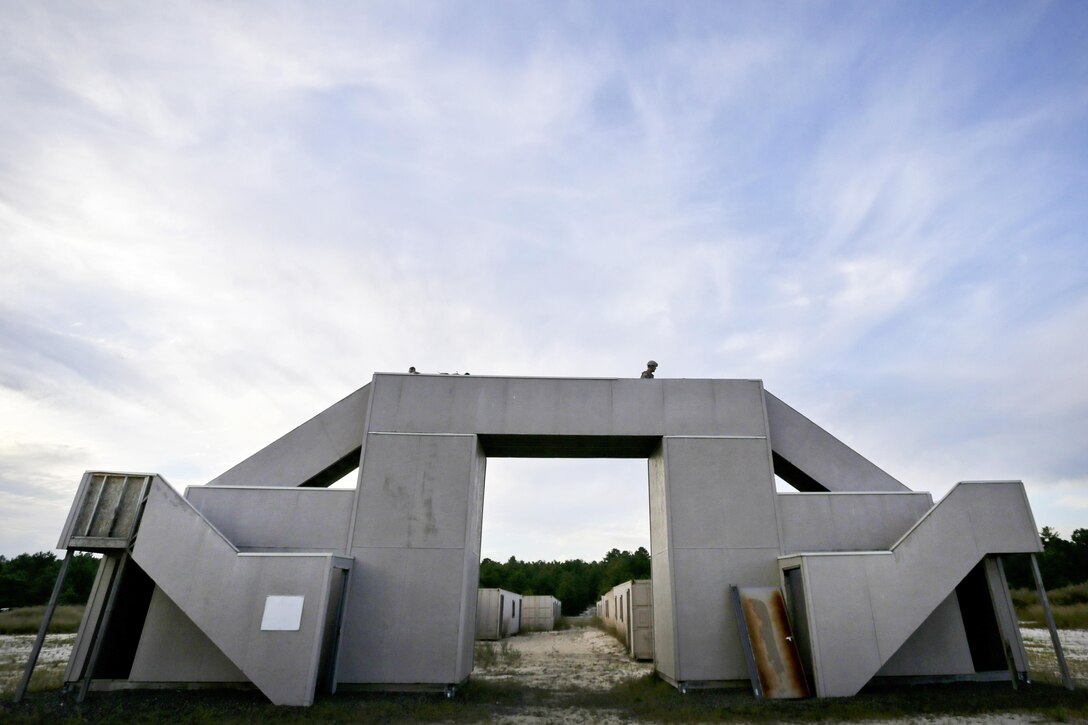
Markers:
point(218, 219)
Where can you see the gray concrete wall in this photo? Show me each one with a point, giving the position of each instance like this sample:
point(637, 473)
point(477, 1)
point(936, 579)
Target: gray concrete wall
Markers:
point(642, 620)
point(565, 406)
point(432, 408)
point(413, 530)
point(862, 608)
point(229, 602)
point(848, 521)
point(416, 543)
point(277, 519)
point(665, 657)
point(721, 491)
point(937, 648)
point(539, 612)
point(173, 649)
point(498, 614)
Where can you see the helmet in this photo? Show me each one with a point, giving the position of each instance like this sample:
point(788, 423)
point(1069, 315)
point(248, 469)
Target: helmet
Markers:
point(651, 364)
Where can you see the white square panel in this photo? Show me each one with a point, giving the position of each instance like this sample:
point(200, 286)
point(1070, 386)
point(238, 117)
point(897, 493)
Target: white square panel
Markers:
point(282, 614)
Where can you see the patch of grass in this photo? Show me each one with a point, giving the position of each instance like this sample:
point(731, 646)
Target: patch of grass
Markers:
point(44, 679)
point(645, 699)
point(509, 656)
point(649, 698)
point(1068, 604)
point(485, 655)
point(1022, 598)
point(617, 632)
point(26, 620)
point(563, 623)
point(1043, 662)
point(1073, 594)
point(1068, 616)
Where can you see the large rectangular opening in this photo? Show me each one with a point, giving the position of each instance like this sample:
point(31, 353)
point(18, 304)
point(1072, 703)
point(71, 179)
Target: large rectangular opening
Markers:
point(572, 528)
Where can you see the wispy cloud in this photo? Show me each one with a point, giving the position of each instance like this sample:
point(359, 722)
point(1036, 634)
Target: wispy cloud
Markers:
point(217, 220)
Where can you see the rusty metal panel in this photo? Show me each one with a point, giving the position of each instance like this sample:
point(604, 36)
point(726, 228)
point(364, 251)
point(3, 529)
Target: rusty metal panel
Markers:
point(771, 653)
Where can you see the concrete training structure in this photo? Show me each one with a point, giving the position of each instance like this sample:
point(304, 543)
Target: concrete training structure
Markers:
point(263, 575)
point(628, 611)
point(498, 614)
point(539, 612)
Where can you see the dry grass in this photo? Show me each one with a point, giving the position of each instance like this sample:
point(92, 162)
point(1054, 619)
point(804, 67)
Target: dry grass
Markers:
point(1070, 616)
point(26, 620)
point(1068, 604)
point(643, 700)
point(49, 673)
point(487, 656)
point(1042, 661)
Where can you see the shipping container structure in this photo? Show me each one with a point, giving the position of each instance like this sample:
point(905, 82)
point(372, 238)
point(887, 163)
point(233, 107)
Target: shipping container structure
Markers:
point(628, 612)
point(498, 614)
point(539, 612)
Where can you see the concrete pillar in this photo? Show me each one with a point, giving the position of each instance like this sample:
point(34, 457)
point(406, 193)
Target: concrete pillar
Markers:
point(416, 544)
point(712, 523)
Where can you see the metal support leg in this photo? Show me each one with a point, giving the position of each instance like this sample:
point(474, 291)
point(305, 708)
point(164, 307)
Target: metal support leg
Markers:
point(746, 644)
point(46, 619)
point(1067, 680)
point(345, 581)
point(1005, 616)
point(100, 630)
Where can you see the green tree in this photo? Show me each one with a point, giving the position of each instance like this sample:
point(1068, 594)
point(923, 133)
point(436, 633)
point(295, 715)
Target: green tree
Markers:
point(1061, 562)
point(576, 583)
point(28, 579)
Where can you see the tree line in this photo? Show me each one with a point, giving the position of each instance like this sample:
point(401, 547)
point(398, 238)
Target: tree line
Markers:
point(1061, 563)
point(577, 584)
point(27, 579)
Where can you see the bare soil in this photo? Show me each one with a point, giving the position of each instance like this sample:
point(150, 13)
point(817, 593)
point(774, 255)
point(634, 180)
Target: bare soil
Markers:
point(581, 658)
point(52, 661)
point(580, 675)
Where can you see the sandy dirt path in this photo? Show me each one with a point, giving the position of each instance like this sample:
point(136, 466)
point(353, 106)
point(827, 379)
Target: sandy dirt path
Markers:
point(584, 658)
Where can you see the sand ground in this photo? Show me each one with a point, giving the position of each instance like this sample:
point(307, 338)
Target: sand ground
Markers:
point(15, 649)
point(582, 658)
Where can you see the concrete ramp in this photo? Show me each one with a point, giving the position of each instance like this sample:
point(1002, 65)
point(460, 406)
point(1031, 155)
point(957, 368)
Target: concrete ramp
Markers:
point(810, 459)
point(265, 612)
point(316, 454)
point(862, 607)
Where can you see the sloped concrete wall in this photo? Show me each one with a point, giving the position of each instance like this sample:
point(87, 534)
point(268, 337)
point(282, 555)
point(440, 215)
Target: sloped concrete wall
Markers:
point(331, 438)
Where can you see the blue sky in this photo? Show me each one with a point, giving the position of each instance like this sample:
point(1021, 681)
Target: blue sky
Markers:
point(216, 220)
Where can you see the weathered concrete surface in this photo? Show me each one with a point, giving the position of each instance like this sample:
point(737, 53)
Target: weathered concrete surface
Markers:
point(848, 521)
point(417, 551)
point(498, 614)
point(539, 612)
point(277, 519)
point(412, 528)
point(173, 649)
point(229, 601)
point(863, 607)
point(565, 406)
point(716, 499)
